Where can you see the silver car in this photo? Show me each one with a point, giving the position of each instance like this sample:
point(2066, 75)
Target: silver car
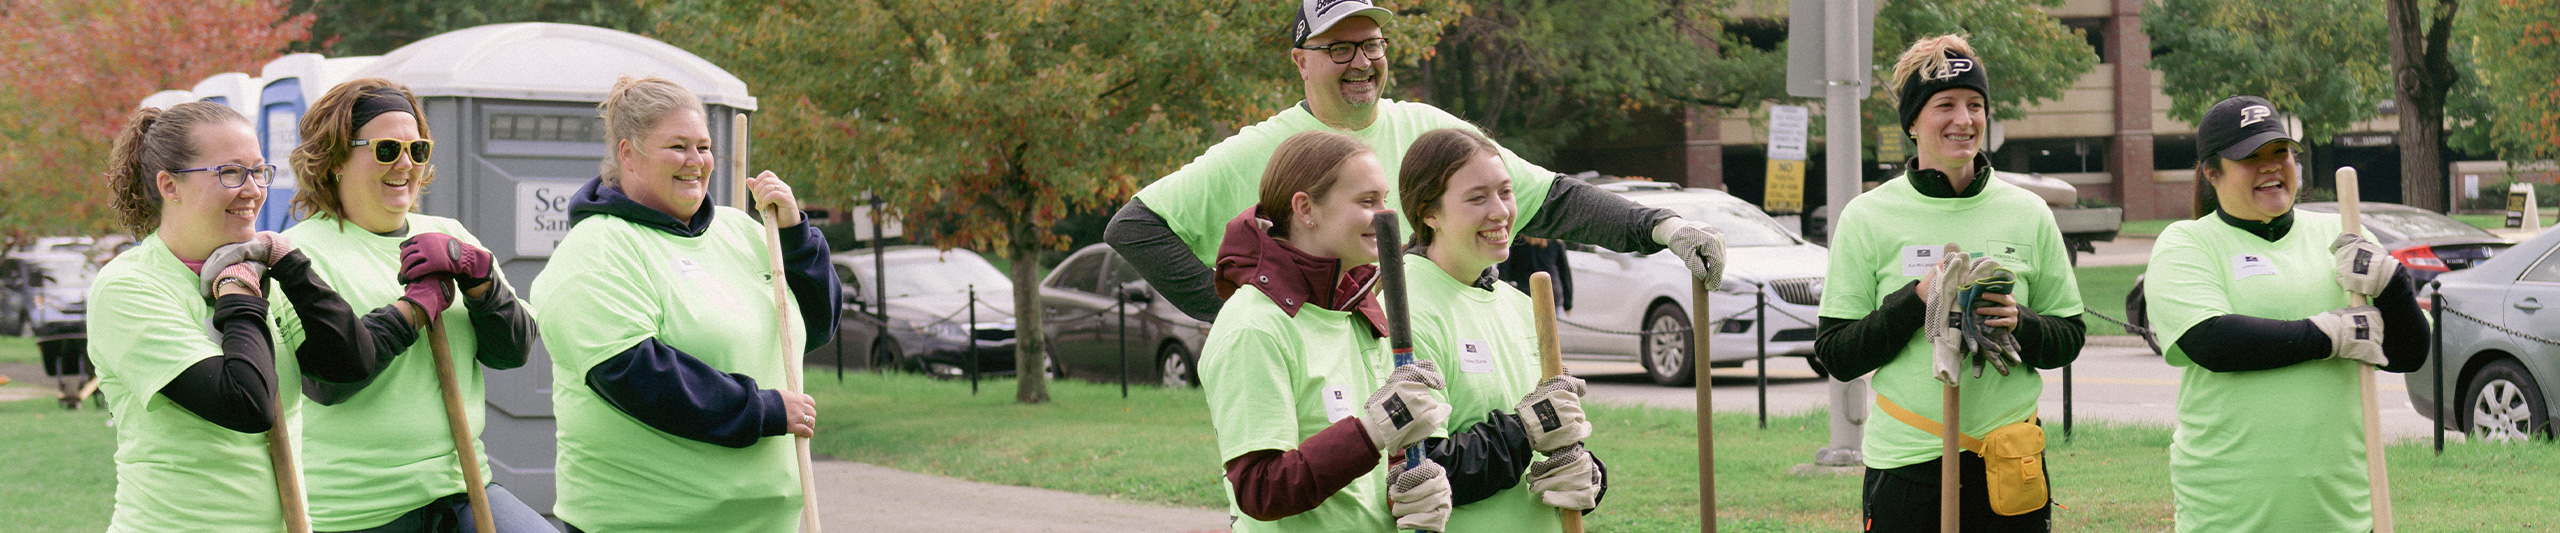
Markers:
point(2501, 357)
point(1635, 307)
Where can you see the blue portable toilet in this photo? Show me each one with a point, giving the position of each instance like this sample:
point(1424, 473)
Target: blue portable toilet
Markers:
point(240, 91)
point(293, 83)
point(513, 107)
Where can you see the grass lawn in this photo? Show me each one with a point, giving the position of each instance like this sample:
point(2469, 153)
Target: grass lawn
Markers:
point(2144, 228)
point(1158, 447)
point(19, 350)
point(2102, 289)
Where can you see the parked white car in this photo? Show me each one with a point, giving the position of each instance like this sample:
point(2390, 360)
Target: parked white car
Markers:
point(1635, 307)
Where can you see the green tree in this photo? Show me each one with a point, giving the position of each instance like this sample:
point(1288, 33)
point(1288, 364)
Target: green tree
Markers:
point(2516, 53)
point(358, 28)
point(71, 73)
point(1537, 73)
point(2328, 74)
point(985, 123)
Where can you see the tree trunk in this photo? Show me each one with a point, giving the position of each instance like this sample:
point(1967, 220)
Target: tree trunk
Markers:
point(2421, 74)
point(1030, 367)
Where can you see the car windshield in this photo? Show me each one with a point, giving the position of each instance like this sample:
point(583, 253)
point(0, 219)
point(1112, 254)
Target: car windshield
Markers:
point(1742, 224)
point(951, 273)
point(64, 272)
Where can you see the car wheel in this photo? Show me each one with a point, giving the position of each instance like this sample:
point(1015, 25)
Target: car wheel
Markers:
point(2506, 404)
point(1175, 366)
point(1665, 346)
point(885, 356)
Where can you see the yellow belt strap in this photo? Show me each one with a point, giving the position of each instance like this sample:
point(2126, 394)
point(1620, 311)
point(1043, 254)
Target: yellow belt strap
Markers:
point(1925, 424)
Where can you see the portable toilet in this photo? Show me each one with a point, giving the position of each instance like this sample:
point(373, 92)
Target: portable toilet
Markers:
point(293, 83)
point(233, 89)
point(164, 99)
point(513, 107)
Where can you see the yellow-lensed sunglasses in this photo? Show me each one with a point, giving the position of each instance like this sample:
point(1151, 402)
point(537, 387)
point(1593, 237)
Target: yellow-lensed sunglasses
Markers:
point(387, 151)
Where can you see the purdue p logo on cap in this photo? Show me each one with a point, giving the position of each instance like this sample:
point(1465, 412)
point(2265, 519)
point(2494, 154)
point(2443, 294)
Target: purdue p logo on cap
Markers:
point(1955, 66)
point(2253, 114)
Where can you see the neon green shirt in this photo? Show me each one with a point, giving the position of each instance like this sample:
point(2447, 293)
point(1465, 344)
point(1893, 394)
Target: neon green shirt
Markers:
point(1486, 345)
point(612, 284)
point(1197, 200)
point(1875, 252)
point(2268, 450)
point(175, 471)
point(1273, 380)
point(386, 450)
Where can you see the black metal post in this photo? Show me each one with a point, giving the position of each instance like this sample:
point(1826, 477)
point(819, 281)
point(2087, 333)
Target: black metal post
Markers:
point(2066, 402)
point(1760, 308)
point(2435, 339)
point(880, 280)
point(1123, 307)
point(970, 330)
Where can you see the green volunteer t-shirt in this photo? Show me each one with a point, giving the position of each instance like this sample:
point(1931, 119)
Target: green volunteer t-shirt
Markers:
point(2268, 450)
point(1273, 380)
point(1197, 200)
point(612, 284)
point(386, 450)
point(1889, 237)
point(148, 322)
point(1486, 345)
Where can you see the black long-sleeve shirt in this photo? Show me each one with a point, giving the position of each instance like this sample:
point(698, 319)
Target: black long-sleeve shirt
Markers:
point(1851, 348)
point(236, 389)
point(500, 323)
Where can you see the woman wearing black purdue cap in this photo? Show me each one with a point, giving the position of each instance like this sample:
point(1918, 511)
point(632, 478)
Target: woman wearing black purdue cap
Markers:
point(2252, 299)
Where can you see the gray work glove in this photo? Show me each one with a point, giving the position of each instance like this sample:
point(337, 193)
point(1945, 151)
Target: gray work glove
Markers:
point(2364, 268)
point(1568, 479)
point(1941, 296)
point(1420, 498)
point(251, 252)
point(1697, 244)
point(1993, 345)
point(1403, 412)
point(1552, 412)
point(2354, 333)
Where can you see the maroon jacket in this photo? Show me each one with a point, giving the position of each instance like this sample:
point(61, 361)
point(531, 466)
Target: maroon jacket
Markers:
point(1275, 484)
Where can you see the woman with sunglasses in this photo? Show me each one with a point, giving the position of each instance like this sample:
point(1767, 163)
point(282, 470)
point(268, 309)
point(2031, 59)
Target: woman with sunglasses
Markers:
point(379, 456)
point(181, 328)
point(661, 324)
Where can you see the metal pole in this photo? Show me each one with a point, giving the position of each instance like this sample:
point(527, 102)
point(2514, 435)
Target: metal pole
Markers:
point(2435, 338)
point(2066, 402)
point(971, 331)
point(1123, 308)
point(1761, 311)
point(880, 278)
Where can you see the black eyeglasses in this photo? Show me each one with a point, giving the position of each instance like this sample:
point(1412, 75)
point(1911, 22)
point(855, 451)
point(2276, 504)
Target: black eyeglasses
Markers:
point(234, 175)
point(1374, 49)
point(387, 151)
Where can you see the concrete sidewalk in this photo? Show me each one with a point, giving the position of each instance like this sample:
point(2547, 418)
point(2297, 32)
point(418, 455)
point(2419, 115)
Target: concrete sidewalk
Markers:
point(863, 497)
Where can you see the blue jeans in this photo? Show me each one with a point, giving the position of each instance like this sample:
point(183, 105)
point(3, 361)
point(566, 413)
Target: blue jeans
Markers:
point(453, 513)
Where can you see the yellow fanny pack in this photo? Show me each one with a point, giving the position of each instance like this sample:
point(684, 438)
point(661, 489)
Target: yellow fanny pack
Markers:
point(2012, 459)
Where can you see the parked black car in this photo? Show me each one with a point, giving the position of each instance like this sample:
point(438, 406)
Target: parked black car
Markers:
point(927, 316)
point(1088, 299)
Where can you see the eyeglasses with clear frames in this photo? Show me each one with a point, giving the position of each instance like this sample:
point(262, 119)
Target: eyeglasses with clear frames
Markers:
point(233, 175)
point(1340, 52)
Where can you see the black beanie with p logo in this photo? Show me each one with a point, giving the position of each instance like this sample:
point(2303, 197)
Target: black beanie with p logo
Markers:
point(1962, 72)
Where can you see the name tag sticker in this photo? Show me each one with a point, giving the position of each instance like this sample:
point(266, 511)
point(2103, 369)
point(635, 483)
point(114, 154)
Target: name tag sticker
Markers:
point(1917, 260)
point(1337, 403)
point(2245, 265)
point(687, 268)
point(1475, 357)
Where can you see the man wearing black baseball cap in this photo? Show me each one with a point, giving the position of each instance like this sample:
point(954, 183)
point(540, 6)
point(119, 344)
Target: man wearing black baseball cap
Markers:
point(2251, 303)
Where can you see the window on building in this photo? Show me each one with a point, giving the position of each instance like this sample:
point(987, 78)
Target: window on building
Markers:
point(2173, 152)
point(2095, 30)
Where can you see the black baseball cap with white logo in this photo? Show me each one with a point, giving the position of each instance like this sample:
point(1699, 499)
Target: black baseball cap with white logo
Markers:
point(1316, 16)
point(2239, 126)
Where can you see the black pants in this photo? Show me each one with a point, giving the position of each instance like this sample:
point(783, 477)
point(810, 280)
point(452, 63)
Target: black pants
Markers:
point(66, 357)
point(1906, 500)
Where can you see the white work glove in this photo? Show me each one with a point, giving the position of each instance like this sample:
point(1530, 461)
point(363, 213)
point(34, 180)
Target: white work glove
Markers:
point(1402, 412)
point(2364, 268)
point(1940, 322)
point(1552, 412)
point(250, 253)
point(1420, 498)
point(1699, 245)
point(2354, 333)
point(1568, 479)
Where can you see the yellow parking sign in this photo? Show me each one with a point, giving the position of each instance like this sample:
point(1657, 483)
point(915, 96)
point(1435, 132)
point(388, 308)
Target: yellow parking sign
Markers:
point(1785, 191)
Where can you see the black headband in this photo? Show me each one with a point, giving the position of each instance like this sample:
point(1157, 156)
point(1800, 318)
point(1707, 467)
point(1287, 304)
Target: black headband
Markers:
point(376, 101)
point(1963, 72)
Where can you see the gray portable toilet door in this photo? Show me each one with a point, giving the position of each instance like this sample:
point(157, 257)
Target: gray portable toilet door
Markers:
point(279, 124)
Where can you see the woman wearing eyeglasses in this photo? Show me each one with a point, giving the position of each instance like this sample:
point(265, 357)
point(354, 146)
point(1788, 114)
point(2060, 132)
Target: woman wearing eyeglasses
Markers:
point(378, 453)
point(181, 332)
